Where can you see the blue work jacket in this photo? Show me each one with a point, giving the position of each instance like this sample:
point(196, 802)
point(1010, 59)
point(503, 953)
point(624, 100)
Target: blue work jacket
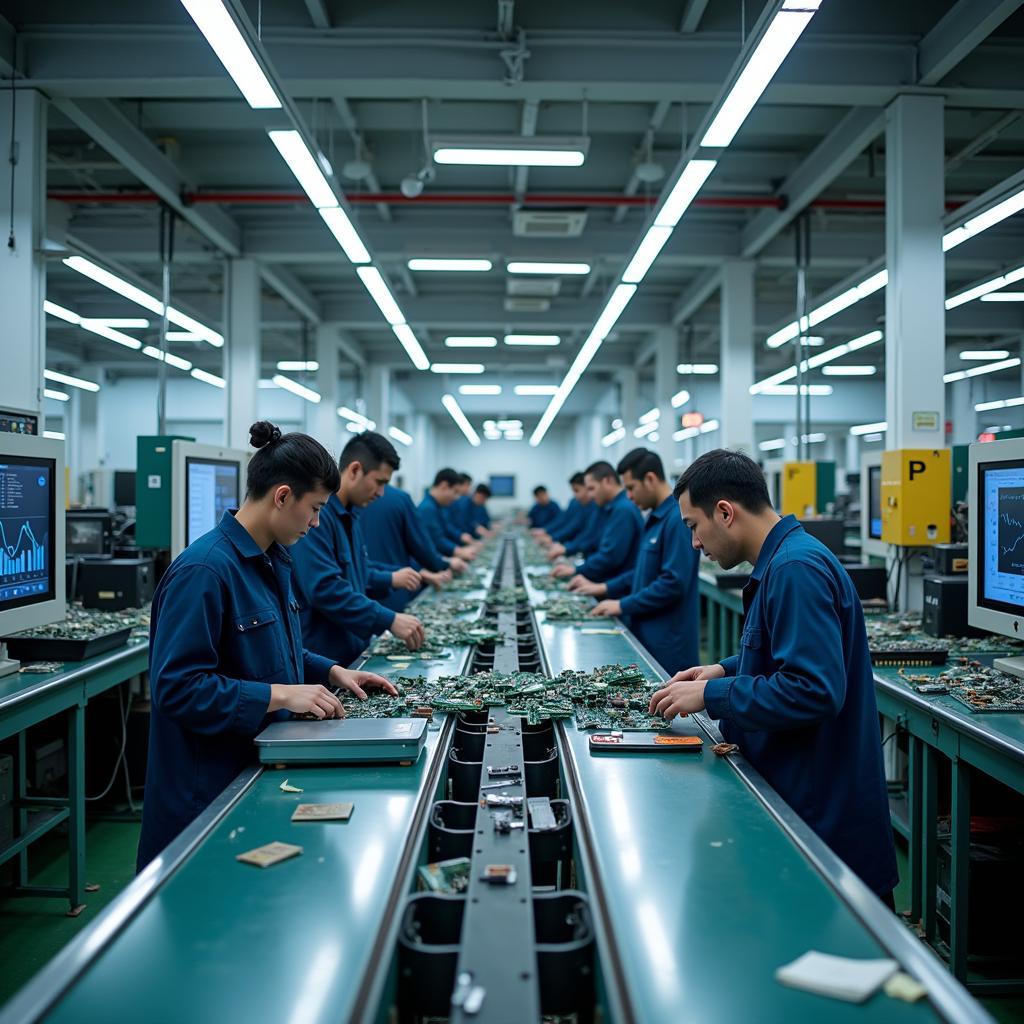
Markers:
point(224, 627)
point(542, 515)
point(588, 535)
point(621, 525)
point(396, 537)
point(460, 513)
point(335, 582)
point(799, 699)
point(568, 521)
point(477, 515)
point(433, 518)
point(659, 598)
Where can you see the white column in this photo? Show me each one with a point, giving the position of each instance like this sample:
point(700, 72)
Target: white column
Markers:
point(379, 397)
point(962, 396)
point(736, 372)
point(241, 348)
point(853, 454)
point(666, 359)
point(22, 268)
point(915, 315)
point(327, 426)
point(84, 447)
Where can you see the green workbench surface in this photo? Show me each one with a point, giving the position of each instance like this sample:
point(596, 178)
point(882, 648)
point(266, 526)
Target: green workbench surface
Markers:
point(225, 941)
point(707, 894)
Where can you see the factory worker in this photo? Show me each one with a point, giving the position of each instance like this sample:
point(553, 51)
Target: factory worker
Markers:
point(443, 491)
point(544, 511)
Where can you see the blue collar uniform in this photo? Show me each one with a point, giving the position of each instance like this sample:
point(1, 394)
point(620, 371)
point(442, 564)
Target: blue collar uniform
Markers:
point(799, 699)
point(224, 627)
point(568, 521)
point(660, 601)
point(588, 533)
point(460, 513)
point(621, 525)
point(433, 519)
point(335, 582)
point(542, 515)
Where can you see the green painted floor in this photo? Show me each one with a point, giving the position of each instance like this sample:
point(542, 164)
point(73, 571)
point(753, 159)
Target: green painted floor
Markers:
point(34, 930)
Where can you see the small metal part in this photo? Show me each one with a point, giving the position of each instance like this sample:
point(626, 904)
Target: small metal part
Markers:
point(508, 769)
point(541, 816)
point(499, 874)
point(504, 824)
point(502, 784)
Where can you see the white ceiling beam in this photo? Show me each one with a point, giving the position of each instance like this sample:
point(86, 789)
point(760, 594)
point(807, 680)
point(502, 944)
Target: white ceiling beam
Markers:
point(695, 296)
point(348, 120)
point(982, 141)
point(318, 13)
point(293, 291)
point(693, 11)
point(965, 25)
point(527, 126)
point(658, 115)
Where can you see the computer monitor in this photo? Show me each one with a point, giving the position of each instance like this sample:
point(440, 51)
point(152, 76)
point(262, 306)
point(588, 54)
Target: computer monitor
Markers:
point(871, 542)
point(31, 535)
point(502, 486)
point(88, 532)
point(205, 481)
point(124, 488)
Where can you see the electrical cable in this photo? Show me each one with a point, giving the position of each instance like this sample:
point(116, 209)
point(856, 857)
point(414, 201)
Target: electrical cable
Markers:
point(13, 155)
point(124, 743)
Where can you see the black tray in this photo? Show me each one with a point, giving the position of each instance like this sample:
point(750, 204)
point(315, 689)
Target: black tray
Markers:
point(55, 648)
point(909, 656)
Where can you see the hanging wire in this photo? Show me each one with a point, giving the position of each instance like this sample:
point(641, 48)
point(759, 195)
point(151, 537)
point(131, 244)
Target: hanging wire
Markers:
point(13, 155)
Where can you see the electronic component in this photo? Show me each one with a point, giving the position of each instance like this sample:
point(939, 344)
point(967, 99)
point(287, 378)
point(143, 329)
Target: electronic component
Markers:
point(499, 874)
point(542, 818)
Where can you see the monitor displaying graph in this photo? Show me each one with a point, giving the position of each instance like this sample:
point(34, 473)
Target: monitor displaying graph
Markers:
point(1001, 535)
point(211, 488)
point(27, 513)
point(874, 510)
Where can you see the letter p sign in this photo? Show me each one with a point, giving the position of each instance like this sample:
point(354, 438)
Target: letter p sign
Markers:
point(916, 466)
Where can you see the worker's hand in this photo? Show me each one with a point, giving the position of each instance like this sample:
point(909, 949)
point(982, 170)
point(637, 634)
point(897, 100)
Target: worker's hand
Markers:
point(563, 571)
point(581, 585)
point(359, 682)
point(466, 553)
point(457, 565)
point(684, 692)
point(301, 699)
point(409, 629)
point(436, 579)
point(607, 609)
point(405, 579)
point(467, 538)
point(555, 551)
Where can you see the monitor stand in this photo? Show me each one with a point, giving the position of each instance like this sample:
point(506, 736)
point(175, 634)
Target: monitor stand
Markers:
point(8, 665)
point(1011, 666)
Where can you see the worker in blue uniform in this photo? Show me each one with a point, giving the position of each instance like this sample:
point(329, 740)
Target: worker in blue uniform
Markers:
point(226, 654)
point(544, 510)
point(567, 522)
point(799, 698)
point(336, 582)
point(580, 534)
point(443, 491)
point(469, 512)
point(658, 599)
point(395, 536)
point(451, 515)
point(620, 526)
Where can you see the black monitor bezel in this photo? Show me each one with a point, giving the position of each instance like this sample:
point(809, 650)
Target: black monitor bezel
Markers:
point(978, 554)
point(124, 473)
point(502, 476)
point(51, 592)
point(205, 460)
point(101, 518)
point(874, 474)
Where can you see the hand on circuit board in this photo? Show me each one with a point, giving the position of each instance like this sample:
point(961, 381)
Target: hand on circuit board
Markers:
point(607, 609)
point(436, 579)
point(581, 585)
point(563, 571)
point(314, 700)
point(683, 694)
point(409, 629)
point(405, 579)
point(355, 682)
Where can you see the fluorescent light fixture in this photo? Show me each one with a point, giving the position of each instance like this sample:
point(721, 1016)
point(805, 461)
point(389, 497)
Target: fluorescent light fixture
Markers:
point(616, 303)
point(74, 382)
point(111, 335)
point(613, 437)
point(706, 369)
point(977, 371)
point(814, 438)
point(222, 34)
point(683, 192)
point(400, 435)
point(654, 438)
point(985, 355)
point(869, 428)
point(844, 300)
point(872, 437)
point(294, 365)
point(53, 435)
point(537, 340)
point(772, 49)
point(1003, 297)
point(167, 357)
point(509, 424)
point(818, 390)
point(405, 334)
point(849, 371)
point(337, 220)
point(534, 267)
point(616, 423)
point(265, 384)
point(454, 409)
point(183, 336)
point(136, 322)
point(60, 312)
point(647, 252)
point(650, 416)
point(208, 378)
point(708, 427)
point(983, 221)
point(511, 151)
point(685, 434)
point(129, 291)
point(361, 421)
point(470, 341)
point(296, 388)
point(680, 398)
point(812, 341)
point(646, 428)
point(820, 359)
point(305, 167)
point(375, 284)
point(1003, 403)
point(479, 389)
point(469, 266)
point(978, 290)
point(58, 396)
point(535, 389)
point(774, 445)
point(457, 368)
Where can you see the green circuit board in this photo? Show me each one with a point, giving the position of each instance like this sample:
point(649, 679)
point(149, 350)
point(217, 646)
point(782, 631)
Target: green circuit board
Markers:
point(976, 686)
point(567, 608)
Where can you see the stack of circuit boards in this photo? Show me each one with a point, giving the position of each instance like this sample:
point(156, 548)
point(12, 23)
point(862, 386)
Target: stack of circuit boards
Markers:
point(541, 579)
point(976, 686)
point(567, 608)
point(82, 633)
point(610, 697)
point(893, 635)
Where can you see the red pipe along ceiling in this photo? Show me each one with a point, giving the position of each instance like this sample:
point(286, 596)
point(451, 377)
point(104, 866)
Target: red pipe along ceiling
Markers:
point(467, 199)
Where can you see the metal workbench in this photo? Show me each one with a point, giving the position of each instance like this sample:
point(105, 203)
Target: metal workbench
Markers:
point(721, 611)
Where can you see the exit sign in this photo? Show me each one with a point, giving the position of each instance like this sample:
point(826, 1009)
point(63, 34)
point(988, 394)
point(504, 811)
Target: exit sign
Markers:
point(693, 419)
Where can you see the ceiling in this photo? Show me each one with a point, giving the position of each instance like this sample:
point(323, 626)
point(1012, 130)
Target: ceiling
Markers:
point(135, 86)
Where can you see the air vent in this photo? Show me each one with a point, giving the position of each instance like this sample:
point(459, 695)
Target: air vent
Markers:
point(523, 304)
point(546, 286)
point(549, 223)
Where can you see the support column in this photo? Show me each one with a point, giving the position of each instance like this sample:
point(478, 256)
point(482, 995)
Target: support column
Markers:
point(379, 397)
point(666, 359)
point(853, 454)
point(628, 411)
point(736, 372)
point(327, 426)
point(22, 268)
point(915, 315)
point(241, 348)
point(84, 449)
point(963, 395)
